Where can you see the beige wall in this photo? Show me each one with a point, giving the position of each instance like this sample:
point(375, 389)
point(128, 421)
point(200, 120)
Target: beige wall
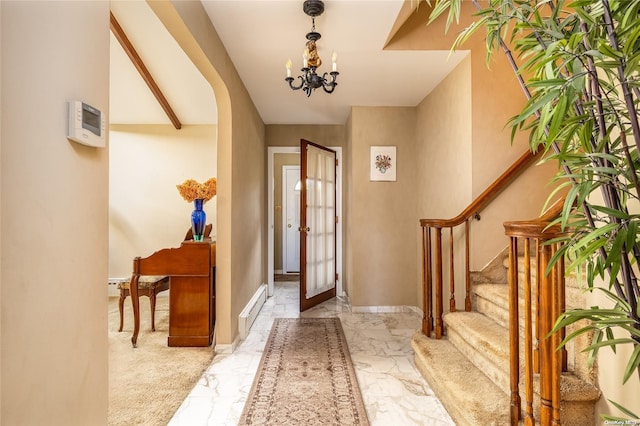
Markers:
point(54, 217)
point(611, 368)
point(241, 200)
point(1, 252)
point(146, 211)
point(290, 135)
point(496, 97)
point(444, 142)
point(381, 259)
point(346, 207)
point(444, 175)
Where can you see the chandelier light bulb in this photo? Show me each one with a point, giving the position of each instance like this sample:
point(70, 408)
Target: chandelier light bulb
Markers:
point(289, 68)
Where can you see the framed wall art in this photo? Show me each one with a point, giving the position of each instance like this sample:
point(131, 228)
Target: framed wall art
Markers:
point(384, 164)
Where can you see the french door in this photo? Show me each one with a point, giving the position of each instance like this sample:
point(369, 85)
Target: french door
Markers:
point(317, 224)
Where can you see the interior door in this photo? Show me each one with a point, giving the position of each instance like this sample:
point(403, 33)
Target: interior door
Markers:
point(317, 224)
point(291, 219)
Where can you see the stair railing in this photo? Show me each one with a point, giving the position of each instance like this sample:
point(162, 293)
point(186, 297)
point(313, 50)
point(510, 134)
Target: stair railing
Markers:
point(432, 257)
point(544, 301)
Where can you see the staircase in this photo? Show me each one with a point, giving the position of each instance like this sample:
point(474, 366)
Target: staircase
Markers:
point(468, 369)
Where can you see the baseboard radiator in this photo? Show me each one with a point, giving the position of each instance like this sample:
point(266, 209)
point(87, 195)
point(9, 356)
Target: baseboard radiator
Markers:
point(251, 311)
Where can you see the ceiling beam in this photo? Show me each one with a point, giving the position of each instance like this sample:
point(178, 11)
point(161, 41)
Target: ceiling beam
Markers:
point(118, 32)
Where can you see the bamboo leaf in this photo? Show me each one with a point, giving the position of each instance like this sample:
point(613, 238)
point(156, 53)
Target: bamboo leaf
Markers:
point(632, 365)
point(594, 235)
point(625, 411)
point(630, 44)
point(609, 51)
point(572, 335)
point(558, 117)
point(536, 104)
point(608, 342)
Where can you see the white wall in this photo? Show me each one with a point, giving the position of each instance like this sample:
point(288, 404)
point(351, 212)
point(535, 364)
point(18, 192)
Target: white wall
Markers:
point(54, 216)
point(146, 211)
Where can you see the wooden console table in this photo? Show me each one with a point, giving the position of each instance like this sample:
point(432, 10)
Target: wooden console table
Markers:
point(191, 269)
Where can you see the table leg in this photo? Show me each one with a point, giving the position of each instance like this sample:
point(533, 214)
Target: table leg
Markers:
point(123, 296)
point(133, 290)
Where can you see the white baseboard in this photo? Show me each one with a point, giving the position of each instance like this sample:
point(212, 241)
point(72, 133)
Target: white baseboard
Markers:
point(227, 349)
point(386, 309)
point(251, 311)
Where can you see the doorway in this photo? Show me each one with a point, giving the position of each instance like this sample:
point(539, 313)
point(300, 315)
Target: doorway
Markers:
point(274, 228)
point(290, 219)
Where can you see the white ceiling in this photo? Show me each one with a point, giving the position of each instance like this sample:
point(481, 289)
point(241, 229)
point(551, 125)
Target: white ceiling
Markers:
point(260, 36)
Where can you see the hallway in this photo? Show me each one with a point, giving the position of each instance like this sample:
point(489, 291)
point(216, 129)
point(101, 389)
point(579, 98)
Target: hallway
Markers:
point(393, 390)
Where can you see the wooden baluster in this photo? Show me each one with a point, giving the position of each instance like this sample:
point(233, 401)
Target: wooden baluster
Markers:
point(514, 331)
point(452, 285)
point(427, 316)
point(536, 345)
point(438, 248)
point(545, 313)
point(557, 358)
point(467, 278)
point(529, 419)
point(563, 304)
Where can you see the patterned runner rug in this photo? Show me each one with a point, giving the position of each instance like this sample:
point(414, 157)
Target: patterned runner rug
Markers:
point(305, 377)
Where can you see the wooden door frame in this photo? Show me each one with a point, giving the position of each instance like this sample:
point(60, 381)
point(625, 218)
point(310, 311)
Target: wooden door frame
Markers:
point(271, 151)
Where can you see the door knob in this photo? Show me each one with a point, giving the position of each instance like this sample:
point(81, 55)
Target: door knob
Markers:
point(289, 225)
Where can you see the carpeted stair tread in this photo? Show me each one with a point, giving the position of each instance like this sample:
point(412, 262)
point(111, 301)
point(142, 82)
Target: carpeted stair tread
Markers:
point(492, 300)
point(483, 341)
point(481, 332)
point(467, 394)
point(498, 294)
point(486, 344)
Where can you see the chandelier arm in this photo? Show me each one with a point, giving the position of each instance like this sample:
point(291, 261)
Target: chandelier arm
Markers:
point(290, 81)
point(331, 86)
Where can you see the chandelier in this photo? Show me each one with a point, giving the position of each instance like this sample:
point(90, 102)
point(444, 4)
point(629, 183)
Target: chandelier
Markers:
point(310, 79)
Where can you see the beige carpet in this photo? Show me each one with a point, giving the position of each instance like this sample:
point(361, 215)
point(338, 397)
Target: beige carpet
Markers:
point(148, 384)
point(305, 377)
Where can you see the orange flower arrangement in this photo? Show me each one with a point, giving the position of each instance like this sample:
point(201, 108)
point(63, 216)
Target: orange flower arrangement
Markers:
point(192, 190)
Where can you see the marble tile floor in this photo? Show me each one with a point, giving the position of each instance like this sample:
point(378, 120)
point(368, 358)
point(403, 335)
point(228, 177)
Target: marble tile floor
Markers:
point(394, 392)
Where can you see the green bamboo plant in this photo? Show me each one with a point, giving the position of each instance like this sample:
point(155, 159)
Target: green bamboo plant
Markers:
point(578, 65)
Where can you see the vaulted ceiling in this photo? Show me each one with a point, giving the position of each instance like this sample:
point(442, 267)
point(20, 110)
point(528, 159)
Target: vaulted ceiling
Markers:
point(260, 36)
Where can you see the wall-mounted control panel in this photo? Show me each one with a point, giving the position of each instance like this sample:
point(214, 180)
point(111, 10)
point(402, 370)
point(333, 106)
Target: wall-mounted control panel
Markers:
point(86, 124)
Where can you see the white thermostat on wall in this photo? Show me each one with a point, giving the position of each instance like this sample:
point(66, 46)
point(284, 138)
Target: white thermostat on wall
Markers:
point(86, 124)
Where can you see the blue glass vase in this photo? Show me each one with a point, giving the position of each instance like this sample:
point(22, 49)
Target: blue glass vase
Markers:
point(198, 220)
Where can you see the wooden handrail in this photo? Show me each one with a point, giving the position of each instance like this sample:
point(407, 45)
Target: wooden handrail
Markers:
point(485, 198)
point(432, 285)
point(537, 228)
